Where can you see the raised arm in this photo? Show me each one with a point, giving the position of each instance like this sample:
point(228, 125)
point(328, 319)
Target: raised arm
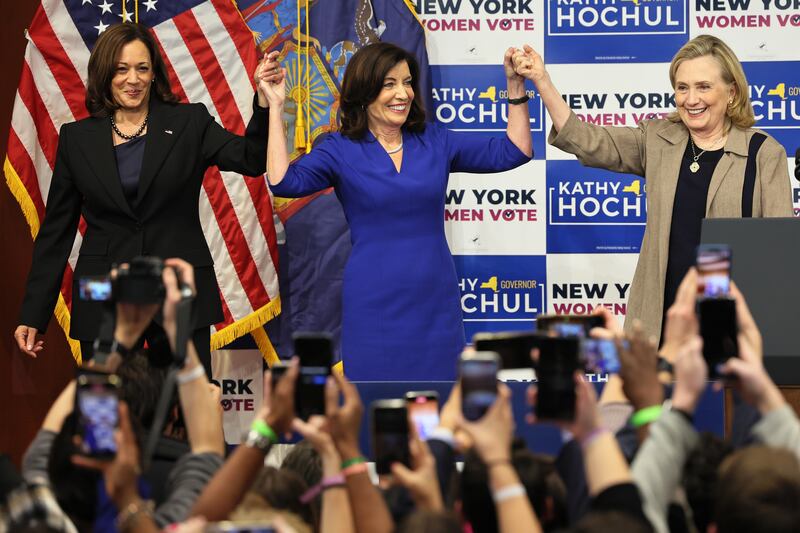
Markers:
point(518, 128)
point(529, 64)
point(272, 85)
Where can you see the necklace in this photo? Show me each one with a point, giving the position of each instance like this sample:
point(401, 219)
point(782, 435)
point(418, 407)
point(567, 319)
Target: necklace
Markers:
point(394, 150)
point(695, 166)
point(132, 135)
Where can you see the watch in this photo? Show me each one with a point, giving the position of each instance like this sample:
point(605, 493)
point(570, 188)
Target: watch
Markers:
point(257, 440)
point(517, 101)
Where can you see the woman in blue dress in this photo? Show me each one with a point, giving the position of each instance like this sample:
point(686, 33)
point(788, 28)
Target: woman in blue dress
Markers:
point(389, 167)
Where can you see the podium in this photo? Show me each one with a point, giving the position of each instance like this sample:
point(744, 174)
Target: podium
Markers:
point(765, 267)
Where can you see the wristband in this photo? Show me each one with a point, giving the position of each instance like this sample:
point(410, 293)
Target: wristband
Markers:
point(263, 429)
point(359, 468)
point(506, 493)
point(353, 461)
point(517, 101)
point(191, 375)
point(327, 483)
point(642, 417)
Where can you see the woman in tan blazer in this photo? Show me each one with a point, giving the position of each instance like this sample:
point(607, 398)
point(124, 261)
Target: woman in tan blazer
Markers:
point(694, 163)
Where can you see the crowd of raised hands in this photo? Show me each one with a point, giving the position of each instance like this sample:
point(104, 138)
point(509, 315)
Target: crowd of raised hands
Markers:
point(628, 463)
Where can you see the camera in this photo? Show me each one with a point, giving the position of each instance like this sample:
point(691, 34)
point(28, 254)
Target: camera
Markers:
point(138, 282)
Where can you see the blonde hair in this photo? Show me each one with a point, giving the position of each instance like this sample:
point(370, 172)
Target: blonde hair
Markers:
point(740, 111)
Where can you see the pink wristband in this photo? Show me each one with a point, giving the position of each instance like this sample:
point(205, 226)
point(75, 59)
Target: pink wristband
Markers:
point(326, 483)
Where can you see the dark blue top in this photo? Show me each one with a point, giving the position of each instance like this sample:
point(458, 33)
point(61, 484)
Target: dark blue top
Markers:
point(401, 303)
point(129, 165)
point(688, 212)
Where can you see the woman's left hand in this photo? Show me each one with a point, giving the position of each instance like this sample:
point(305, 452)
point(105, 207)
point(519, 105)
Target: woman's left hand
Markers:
point(508, 65)
point(271, 81)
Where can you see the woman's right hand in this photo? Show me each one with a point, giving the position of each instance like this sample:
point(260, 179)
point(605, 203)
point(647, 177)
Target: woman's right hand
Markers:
point(26, 340)
point(529, 64)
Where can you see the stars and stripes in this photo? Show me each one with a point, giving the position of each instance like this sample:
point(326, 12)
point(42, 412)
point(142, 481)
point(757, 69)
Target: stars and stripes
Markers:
point(210, 55)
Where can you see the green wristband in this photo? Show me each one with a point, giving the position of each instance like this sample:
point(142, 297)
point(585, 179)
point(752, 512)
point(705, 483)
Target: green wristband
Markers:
point(263, 429)
point(353, 461)
point(642, 417)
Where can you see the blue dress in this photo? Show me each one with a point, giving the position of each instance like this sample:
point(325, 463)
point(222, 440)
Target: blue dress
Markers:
point(401, 304)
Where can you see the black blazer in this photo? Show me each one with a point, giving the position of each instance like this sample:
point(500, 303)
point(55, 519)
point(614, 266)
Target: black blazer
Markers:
point(183, 140)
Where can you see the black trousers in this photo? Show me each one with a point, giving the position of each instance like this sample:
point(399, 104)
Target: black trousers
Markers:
point(160, 353)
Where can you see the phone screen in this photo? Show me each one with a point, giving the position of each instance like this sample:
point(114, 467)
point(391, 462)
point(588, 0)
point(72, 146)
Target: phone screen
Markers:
point(390, 434)
point(559, 358)
point(423, 409)
point(97, 399)
point(94, 288)
point(569, 325)
point(315, 351)
point(478, 384)
point(600, 356)
point(714, 270)
point(514, 348)
point(719, 330)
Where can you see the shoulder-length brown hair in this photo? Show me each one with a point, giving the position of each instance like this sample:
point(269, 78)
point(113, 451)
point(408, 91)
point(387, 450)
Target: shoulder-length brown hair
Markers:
point(740, 111)
point(103, 65)
point(363, 81)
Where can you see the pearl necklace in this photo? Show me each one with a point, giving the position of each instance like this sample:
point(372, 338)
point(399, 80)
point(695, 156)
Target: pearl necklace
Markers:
point(394, 150)
point(132, 135)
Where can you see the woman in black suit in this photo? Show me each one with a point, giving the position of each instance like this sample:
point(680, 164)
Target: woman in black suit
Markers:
point(134, 169)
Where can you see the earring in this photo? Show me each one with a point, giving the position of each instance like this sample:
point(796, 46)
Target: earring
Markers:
point(730, 102)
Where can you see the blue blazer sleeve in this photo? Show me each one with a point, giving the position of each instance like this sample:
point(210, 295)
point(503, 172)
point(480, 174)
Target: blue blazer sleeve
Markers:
point(481, 154)
point(315, 171)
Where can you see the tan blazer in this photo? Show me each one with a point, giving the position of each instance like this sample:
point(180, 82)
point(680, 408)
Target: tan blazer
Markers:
point(654, 150)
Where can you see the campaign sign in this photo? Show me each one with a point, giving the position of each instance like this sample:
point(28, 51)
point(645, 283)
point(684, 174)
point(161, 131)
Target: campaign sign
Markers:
point(593, 211)
point(497, 214)
point(580, 283)
point(614, 31)
point(473, 99)
point(754, 29)
point(775, 95)
point(478, 32)
point(501, 293)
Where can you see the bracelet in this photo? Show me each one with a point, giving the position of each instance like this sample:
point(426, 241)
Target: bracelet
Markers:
point(506, 493)
point(497, 462)
point(360, 468)
point(644, 416)
point(263, 429)
point(326, 483)
point(128, 515)
point(593, 434)
point(517, 101)
point(353, 461)
point(190, 375)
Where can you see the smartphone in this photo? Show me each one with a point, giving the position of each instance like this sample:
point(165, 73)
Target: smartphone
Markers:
point(600, 356)
point(278, 370)
point(569, 325)
point(240, 527)
point(315, 350)
point(478, 373)
point(97, 403)
point(513, 347)
point(94, 288)
point(423, 411)
point(559, 358)
point(719, 330)
point(714, 270)
point(389, 423)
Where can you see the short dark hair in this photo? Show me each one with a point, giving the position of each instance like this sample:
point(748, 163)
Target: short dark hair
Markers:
point(537, 474)
point(363, 81)
point(758, 490)
point(700, 477)
point(103, 65)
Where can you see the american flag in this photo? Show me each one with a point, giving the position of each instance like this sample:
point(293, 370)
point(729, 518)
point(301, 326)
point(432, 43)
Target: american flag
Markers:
point(210, 54)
